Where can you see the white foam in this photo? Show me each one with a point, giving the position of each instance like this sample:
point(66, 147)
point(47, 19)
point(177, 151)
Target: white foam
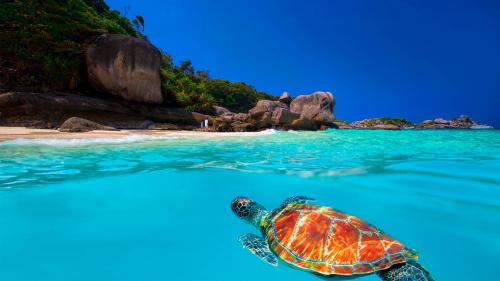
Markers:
point(79, 141)
point(226, 134)
point(131, 138)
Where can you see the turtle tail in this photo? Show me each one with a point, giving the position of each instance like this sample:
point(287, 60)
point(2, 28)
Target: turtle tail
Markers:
point(409, 271)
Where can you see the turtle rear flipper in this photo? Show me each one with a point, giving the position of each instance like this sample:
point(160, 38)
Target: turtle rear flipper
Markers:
point(259, 247)
point(410, 271)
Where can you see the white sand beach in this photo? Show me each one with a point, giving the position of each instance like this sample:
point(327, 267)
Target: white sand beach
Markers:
point(11, 133)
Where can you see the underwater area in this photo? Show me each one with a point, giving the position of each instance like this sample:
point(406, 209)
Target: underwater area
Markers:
point(158, 208)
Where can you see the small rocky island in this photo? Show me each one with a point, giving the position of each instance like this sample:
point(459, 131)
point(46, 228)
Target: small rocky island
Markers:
point(114, 78)
point(462, 122)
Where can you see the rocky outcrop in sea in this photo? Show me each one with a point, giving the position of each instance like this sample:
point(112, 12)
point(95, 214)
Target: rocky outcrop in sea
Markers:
point(462, 122)
point(307, 112)
point(382, 124)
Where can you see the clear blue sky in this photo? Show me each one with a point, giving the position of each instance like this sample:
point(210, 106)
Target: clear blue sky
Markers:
point(395, 58)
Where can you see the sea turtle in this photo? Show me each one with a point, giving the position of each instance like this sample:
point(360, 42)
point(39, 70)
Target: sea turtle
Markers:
point(325, 241)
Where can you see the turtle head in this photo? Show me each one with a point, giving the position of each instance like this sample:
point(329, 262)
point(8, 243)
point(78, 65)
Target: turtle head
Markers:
point(248, 210)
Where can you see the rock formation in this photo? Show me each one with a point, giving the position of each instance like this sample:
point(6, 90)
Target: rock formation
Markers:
point(462, 122)
point(285, 98)
point(76, 124)
point(317, 106)
point(261, 115)
point(242, 127)
point(303, 125)
point(307, 112)
point(125, 66)
point(382, 124)
point(341, 124)
point(50, 110)
point(282, 117)
point(220, 111)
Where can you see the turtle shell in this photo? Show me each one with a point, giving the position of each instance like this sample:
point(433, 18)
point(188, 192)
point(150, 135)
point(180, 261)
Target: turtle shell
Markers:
point(326, 241)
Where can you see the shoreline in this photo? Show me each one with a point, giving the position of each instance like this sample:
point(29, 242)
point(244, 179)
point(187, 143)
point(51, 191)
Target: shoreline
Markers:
point(13, 133)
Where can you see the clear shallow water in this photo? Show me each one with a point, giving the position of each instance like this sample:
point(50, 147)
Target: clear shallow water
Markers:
point(143, 208)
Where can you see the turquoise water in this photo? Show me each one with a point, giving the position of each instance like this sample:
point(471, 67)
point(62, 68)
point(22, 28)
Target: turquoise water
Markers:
point(146, 208)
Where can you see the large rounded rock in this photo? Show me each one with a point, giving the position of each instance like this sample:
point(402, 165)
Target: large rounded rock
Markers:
point(76, 124)
point(303, 125)
point(283, 116)
point(239, 126)
point(261, 115)
point(125, 66)
point(317, 106)
point(463, 121)
point(265, 106)
point(441, 121)
point(220, 111)
point(285, 98)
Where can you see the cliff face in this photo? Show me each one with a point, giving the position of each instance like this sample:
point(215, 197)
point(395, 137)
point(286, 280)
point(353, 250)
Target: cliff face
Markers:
point(50, 110)
point(126, 67)
point(43, 42)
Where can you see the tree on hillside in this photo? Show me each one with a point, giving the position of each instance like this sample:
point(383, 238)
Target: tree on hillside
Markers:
point(99, 5)
point(186, 67)
point(201, 74)
point(139, 23)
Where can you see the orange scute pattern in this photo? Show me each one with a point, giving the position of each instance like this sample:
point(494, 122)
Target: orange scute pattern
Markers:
point(310, 238)
point(362, 268)
point(324, 268)
point(398, 258)
point(371, 248)
point(332, 213)
point(327, 241)
point(344, 270)
point(382, 264)
point(343, 245)
point(394, 247)
point(285, 224)
point(360, 224)
point(283, 253)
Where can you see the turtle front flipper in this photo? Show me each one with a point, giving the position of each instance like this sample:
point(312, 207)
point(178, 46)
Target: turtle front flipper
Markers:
point(259, 247)
point(297, 200)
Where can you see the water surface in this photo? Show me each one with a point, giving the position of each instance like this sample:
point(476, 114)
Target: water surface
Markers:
point(149, 208)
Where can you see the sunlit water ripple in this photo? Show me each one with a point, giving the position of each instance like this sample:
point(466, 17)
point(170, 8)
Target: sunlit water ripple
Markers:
point(438, 191)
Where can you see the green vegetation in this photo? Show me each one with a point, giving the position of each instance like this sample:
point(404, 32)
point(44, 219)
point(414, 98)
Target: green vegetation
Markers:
point(43, 41)
point(400, 122)
point(43, 45)
point(194, 90)
point(395, 121)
